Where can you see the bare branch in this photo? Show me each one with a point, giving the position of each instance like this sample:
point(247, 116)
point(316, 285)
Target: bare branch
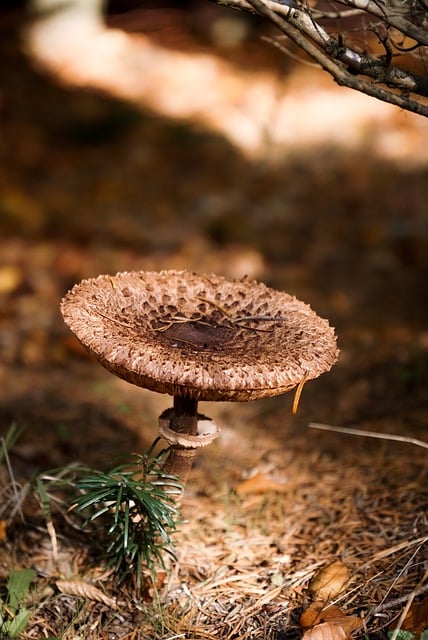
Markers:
point(384, 81)
point(336, 15)
point(392, 16)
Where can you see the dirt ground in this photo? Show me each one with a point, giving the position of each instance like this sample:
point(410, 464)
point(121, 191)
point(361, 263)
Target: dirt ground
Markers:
point(92, 184)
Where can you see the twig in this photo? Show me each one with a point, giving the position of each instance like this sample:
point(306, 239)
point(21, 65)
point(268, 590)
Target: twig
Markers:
point(369, 434)
point(301, 27)
point(261, 318)
point(241, 319)
point(336, 15)
point(344, 64)
point(216, 305)
point(122, 324)
point(390, 15)
point(403, 570)
point(397, 601)
point(176, 320)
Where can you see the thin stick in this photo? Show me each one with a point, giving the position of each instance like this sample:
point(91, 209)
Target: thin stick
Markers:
point(122, 324)
point(389, 552)
point(397, 578)
point(265, 318)
point(214, 304)
point(369, 434)
point(241, 319)
point(394, 603)
point(176, 320)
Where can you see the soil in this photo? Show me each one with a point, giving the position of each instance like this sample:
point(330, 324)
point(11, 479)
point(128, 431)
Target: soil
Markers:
point(92, 184)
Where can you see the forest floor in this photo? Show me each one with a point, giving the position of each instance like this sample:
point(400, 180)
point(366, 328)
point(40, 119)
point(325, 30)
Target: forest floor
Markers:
point(92, 184)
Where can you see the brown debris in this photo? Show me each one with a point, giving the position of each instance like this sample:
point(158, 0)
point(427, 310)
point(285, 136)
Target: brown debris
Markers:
point(260, 483)
point(83, 589)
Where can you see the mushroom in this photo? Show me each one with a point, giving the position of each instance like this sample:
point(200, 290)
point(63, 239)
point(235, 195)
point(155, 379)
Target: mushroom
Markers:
point(198, 337)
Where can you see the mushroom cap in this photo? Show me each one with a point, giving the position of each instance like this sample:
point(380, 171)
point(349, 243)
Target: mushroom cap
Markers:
point(199, 335)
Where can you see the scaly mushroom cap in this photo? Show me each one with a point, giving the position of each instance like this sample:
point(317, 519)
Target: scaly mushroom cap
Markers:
point(204, 336)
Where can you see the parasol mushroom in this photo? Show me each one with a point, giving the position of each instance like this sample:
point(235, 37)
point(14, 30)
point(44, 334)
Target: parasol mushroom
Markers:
point(198, 337)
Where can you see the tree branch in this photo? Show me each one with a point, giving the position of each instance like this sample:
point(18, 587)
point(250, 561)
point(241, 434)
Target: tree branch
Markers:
point(392, 16)
point(342, 62)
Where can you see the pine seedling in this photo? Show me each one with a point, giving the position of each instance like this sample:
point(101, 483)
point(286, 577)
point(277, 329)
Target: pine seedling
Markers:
point(136, 506)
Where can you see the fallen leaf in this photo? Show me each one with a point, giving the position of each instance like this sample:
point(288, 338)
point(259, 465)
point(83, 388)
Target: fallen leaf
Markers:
point(329, 581)
point(326, 631)
point(319, 613)
point(260, 483)
point(416, 619)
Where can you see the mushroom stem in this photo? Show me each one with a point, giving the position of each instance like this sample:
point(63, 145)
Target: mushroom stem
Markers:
point(183, 419)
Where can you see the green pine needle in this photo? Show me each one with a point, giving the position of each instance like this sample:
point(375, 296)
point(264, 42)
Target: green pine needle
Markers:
point(136, 508)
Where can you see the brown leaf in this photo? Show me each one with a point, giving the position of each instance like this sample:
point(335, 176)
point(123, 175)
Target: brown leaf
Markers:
point(326, 631)
point(416, 619)
point(84, 590)
point(319, 613)
point(329, 581)
point(260, 483)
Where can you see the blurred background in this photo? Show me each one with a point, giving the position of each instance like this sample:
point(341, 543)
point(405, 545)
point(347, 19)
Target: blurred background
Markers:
point(154, 135)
